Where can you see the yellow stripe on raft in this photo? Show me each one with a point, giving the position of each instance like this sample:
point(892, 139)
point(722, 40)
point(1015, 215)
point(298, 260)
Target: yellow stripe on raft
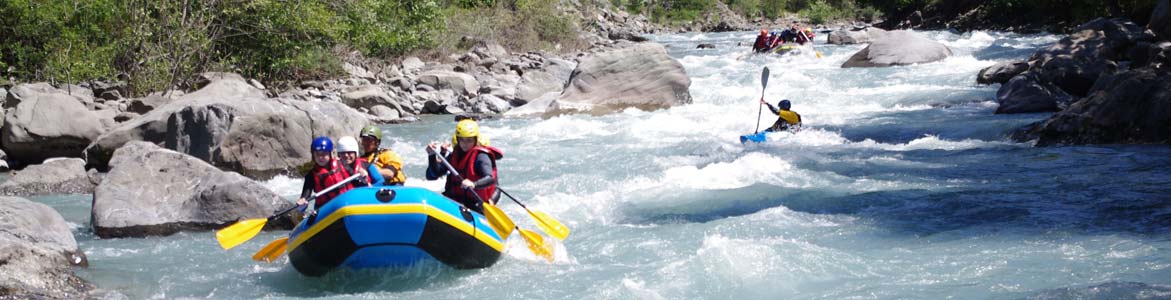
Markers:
point(394, 209)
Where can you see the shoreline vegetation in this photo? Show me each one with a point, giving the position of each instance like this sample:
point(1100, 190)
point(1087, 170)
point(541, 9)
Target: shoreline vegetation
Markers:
point(155, 46)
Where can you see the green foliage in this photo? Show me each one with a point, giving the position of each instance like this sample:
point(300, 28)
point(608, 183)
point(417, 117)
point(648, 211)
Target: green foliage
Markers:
point(519, 25)
point(679, 11)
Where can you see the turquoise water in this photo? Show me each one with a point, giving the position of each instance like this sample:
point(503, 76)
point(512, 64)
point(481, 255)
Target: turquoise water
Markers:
point(902, 186)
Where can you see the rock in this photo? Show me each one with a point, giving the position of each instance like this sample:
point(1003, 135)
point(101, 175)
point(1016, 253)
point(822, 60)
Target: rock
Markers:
point(231, 124)
point(459, 82)
point(146, 104)
point(20, 92)
point(1160, 22)
point(54, 176)
point(368, 96)
point(256, 84)
point(1074, 63)
point(1131, 107)
point(37, 252)
point(536, 107)
point(705, 46)
point(1001, 72)
point(641, 76)
point(551, 77)
point(154, 191)
point(357, 71)
point(412, 64)
point(626, 35)
point(1026, 93)
point(849, 37)
point(4, 161)
point(897, 48)
point(384, 112)
point(3, 93)
point(47, 123)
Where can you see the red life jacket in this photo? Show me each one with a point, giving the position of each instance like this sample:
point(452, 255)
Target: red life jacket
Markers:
point(324, 177)
point(466, 166)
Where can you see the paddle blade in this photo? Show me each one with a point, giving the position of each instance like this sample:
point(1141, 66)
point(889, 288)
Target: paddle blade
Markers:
point(818, 54)
point(550, 225)
point(238, 233)
point(272, 251)
point(498, 220)
point(537, 244)
point(764, 78)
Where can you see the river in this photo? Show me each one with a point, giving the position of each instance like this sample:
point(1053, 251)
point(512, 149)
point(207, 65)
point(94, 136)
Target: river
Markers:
point(903, 185)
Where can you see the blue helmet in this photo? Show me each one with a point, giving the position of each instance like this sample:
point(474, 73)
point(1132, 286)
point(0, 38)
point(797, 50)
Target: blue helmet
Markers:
point(322, 144)
point(784, 104)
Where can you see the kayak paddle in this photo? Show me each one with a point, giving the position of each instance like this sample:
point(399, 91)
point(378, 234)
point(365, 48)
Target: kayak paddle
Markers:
point(245, 230)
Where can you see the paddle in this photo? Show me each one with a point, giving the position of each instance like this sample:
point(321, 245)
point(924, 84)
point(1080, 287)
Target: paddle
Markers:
point(272, 251)
point(547, 223)
point(503, 224)
point(245, 230)
point(760, 106)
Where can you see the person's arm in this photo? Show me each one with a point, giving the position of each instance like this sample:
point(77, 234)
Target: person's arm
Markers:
point(435, 169)
point(484, 166)
point(375, 175)
point(770, 107)
point(306, 190)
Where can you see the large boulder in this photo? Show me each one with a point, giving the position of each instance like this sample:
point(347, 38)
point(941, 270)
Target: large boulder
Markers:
point(461, 83)
point(154, 191)
point(549, 78)
point(1001, 72)
point(1131, 107)
point(54, 176)
point(230, 124)
point(641, 76)
point(849, 37)
point(897, 48)
point(46, 122)
point(1026, 93)
point(37, 253)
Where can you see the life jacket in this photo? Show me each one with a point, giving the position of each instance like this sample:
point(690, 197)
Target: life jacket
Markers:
point(324, 177)
point(372, 158)
point(466, 166)
point(786, 119)
point(762, 43)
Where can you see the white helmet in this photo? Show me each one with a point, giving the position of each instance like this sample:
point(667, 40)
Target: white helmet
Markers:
point(347, 144)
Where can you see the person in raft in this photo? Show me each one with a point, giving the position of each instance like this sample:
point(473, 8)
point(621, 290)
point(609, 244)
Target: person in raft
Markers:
point(475, 161)
point(347, 152)
point(326, 171)
point(387, 163)
point(787, 120)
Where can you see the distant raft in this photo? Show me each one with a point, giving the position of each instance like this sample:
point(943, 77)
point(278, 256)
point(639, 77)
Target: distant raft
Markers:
point(392, 227)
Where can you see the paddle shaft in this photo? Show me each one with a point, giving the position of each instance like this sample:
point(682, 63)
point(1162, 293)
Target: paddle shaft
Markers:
point(759, 106)
point(452, 170)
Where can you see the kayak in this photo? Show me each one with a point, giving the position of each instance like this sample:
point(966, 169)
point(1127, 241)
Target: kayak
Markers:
point(392, 227)
point(758, 137)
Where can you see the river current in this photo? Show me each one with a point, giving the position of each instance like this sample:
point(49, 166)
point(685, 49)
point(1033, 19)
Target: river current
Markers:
point(903, 185)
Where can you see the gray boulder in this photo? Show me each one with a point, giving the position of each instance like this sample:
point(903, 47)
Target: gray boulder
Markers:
point(46, 123)
point(897, 48)
point(54, 176)
point(1127, 108)
point(461, 83)
point(37, 253)
point(154, 191)
point(1026, 93)
point(551, 77)
point(370, 96)
point(230, 124)
point(641, 76)
point(1001, 72)
point(850, 37)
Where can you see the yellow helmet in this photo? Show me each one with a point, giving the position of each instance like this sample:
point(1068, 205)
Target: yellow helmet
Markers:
point(467, 128)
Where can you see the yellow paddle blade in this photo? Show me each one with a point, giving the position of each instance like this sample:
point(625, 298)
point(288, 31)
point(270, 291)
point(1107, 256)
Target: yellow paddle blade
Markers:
point(537, 244)
point(238, 233)
point(550, 225)
point(818, 54)
point(499, 221)
point(272, 251)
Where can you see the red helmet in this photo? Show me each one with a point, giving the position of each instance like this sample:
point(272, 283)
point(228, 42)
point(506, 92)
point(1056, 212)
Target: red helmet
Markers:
point(764, 31)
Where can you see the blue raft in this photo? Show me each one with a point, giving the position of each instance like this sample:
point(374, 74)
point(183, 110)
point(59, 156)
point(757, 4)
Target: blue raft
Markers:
point(391, 227)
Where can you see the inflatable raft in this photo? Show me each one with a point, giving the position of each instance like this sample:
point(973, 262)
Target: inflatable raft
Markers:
point(390, 227)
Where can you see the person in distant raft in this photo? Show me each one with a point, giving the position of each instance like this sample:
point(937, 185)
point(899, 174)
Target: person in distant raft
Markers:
point(787, 120)
point(473, 159)
point(388, 164)
point(347, 152)
point(326, 171)
point(762, 42)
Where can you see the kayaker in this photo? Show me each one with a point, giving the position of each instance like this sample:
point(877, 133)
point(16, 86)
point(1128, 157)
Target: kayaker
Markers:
point(388, 163)
point(786, 119)
point(473, 159)
point(326, 171)
point(347, 152)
